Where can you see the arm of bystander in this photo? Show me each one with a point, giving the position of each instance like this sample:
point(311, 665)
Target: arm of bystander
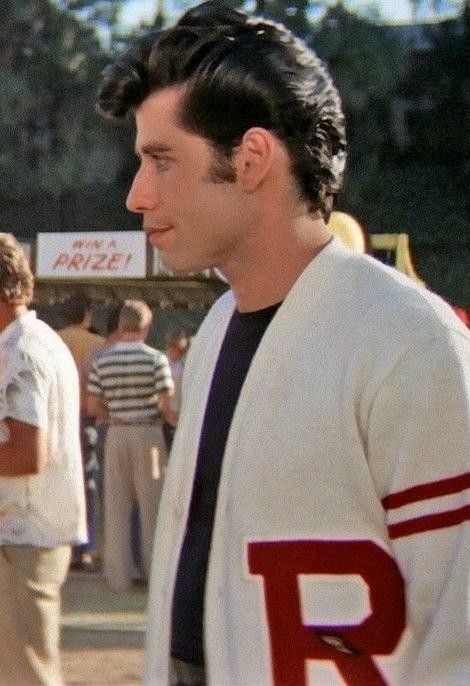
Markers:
point(167, 413)
point(25, 450)
point(96, 407)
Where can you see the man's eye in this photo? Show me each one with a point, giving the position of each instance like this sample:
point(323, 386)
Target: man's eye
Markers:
point(162, 163)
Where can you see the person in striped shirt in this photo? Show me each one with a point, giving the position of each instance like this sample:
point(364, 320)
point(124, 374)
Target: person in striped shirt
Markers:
point(131, 384)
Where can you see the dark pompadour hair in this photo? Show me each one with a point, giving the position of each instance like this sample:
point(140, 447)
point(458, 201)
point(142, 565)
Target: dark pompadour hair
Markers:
point(239, 72)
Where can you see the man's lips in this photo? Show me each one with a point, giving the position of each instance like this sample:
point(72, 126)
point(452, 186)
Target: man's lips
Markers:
point(154, 233)
point(157, 229)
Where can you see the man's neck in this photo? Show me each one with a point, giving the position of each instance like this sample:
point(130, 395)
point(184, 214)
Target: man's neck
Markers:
point(131, 337)
point(8, 314)
point(77, 325)
point(266, 276)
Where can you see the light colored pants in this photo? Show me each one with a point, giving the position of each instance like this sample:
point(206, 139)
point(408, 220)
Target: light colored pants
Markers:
point(134, 464)
point(30, 583)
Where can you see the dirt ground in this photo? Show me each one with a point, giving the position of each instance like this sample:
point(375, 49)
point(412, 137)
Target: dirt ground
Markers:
point(102, 633)
point(99, 666)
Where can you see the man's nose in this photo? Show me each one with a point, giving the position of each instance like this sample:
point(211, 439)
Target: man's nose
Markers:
point(143, 194)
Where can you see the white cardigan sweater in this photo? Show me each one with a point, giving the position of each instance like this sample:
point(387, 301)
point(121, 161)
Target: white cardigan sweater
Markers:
point(341, 543)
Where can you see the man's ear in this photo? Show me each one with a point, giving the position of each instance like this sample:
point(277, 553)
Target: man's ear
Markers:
point(254, 157)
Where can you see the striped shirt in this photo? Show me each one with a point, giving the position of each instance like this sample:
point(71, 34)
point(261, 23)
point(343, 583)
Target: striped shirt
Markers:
point(129, 376)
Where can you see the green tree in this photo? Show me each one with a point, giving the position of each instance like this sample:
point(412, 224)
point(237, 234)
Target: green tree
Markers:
point(104, 12)
point(445, 79)
point(434, 5)
point(366, 61)
point(52, 140)
point(422, 188)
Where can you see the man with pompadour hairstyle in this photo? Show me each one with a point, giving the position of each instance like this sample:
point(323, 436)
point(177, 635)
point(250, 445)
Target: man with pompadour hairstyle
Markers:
point(313, 527)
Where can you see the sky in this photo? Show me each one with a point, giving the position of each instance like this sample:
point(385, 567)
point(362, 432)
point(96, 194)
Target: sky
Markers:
point(391, 10)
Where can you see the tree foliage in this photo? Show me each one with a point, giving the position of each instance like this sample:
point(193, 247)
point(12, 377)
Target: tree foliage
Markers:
point(367, 64)
point(52, 140)
point(421, 187)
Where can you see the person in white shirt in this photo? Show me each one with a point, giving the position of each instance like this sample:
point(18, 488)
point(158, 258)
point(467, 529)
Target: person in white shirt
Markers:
point(42, 503)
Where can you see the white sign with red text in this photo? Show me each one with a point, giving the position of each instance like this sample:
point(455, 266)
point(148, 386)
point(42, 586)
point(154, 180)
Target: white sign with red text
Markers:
point(92, 254)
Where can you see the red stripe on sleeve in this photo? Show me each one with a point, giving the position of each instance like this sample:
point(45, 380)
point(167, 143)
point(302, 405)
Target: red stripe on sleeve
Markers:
point(434, 489)
point(419, 525)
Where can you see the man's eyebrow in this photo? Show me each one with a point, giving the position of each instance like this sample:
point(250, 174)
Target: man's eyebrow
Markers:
point(152, 149)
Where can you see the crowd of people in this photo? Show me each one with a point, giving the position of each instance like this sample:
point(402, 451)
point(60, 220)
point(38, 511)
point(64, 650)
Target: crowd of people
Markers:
point(312, 525)
point(129, 402)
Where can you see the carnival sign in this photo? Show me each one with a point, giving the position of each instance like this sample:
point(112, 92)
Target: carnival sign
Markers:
point(91, 254)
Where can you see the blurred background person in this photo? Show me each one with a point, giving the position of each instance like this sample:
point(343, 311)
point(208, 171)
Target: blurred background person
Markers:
point(132, 383)
point(82, 343)
point(101, 426)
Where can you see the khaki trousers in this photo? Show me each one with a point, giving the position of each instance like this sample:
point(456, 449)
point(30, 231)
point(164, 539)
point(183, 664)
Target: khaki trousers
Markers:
point(30, 584)
point(134, 464)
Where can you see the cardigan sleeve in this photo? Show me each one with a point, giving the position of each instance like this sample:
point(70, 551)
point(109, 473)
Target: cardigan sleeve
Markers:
point(418, 446)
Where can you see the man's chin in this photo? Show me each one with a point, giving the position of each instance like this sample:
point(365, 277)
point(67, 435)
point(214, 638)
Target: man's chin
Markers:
point(180, 270)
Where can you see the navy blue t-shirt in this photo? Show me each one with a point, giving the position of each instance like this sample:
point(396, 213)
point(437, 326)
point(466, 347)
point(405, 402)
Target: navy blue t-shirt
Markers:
point(241, 340)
